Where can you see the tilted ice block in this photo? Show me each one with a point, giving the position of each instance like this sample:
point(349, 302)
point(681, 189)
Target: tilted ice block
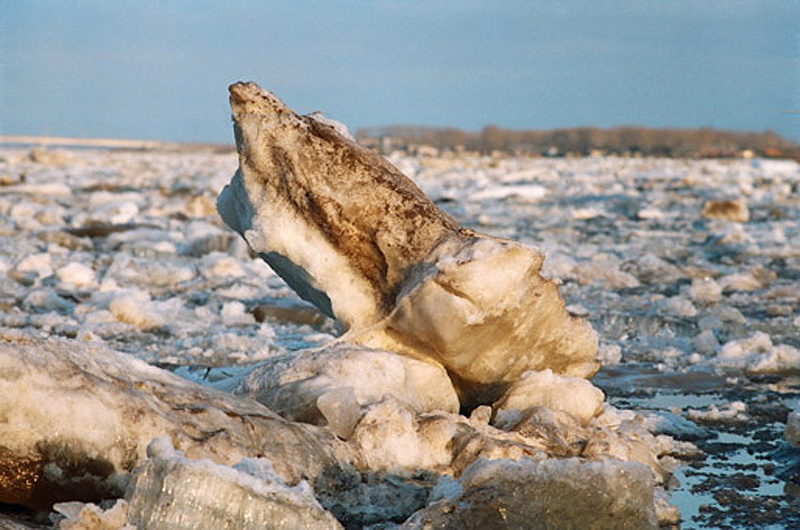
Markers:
point(351, 234)
point(339, 223)
point(483, 311)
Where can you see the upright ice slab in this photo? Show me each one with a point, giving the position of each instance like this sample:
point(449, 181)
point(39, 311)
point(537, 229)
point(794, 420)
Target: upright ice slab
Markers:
point(351, 234)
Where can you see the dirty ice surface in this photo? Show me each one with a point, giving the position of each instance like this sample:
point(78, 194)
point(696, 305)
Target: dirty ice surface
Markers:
point(698, 315)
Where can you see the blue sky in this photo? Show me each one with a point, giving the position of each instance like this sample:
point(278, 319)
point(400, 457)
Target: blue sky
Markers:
point(160, 69)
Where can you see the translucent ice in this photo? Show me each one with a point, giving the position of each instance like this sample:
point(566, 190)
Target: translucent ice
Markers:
point(792, 430)
point(171, 491)
point(88, 516)
point(312, 386)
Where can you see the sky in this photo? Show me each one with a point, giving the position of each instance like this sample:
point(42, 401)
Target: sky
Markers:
point(159, 69)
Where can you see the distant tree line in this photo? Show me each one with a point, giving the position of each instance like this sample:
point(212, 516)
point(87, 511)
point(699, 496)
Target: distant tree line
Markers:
point(583, 141)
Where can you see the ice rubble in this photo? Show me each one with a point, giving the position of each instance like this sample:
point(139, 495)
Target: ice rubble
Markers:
point(758, 355)
point(352, 235)
point(627, 237)
point(728, 412)
point(81, 417)
point(85, 412)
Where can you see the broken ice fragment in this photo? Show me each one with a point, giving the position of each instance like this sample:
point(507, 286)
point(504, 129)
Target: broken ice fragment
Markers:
point(757, 354)
point(333, 383)
point(361, 500)
point(705, 291)
point(566, 493)
point(727, 210)
point(575, 396)
point(792, 429)
point(171, 491)
point(80, 516)
point(340, 409)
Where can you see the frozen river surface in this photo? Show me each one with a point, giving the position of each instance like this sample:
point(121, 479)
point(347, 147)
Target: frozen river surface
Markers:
point(688, 270)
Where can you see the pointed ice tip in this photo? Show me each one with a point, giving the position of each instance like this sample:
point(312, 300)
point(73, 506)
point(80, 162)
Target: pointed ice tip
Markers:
point(248, 97)
point(241, 86)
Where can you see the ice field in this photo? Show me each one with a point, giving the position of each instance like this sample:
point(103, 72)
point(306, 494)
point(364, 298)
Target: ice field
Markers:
point(688, 270)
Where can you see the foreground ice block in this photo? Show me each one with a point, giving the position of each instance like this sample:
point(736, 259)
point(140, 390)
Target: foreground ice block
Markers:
point(351, 234)
point(76, 418)
point(171, 491)
point(568, 493)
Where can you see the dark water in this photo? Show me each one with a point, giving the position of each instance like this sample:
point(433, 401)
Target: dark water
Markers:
point(749, 476)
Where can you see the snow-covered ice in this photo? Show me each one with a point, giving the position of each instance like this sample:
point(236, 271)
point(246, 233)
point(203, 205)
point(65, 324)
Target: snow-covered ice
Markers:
point(293, 385)
point(77, 418)
point(757, 354)
point(573, 395)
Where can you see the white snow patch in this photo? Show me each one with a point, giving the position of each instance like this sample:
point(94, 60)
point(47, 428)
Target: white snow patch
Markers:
point(757, 354)
point(735, 411)
point(521, 192)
